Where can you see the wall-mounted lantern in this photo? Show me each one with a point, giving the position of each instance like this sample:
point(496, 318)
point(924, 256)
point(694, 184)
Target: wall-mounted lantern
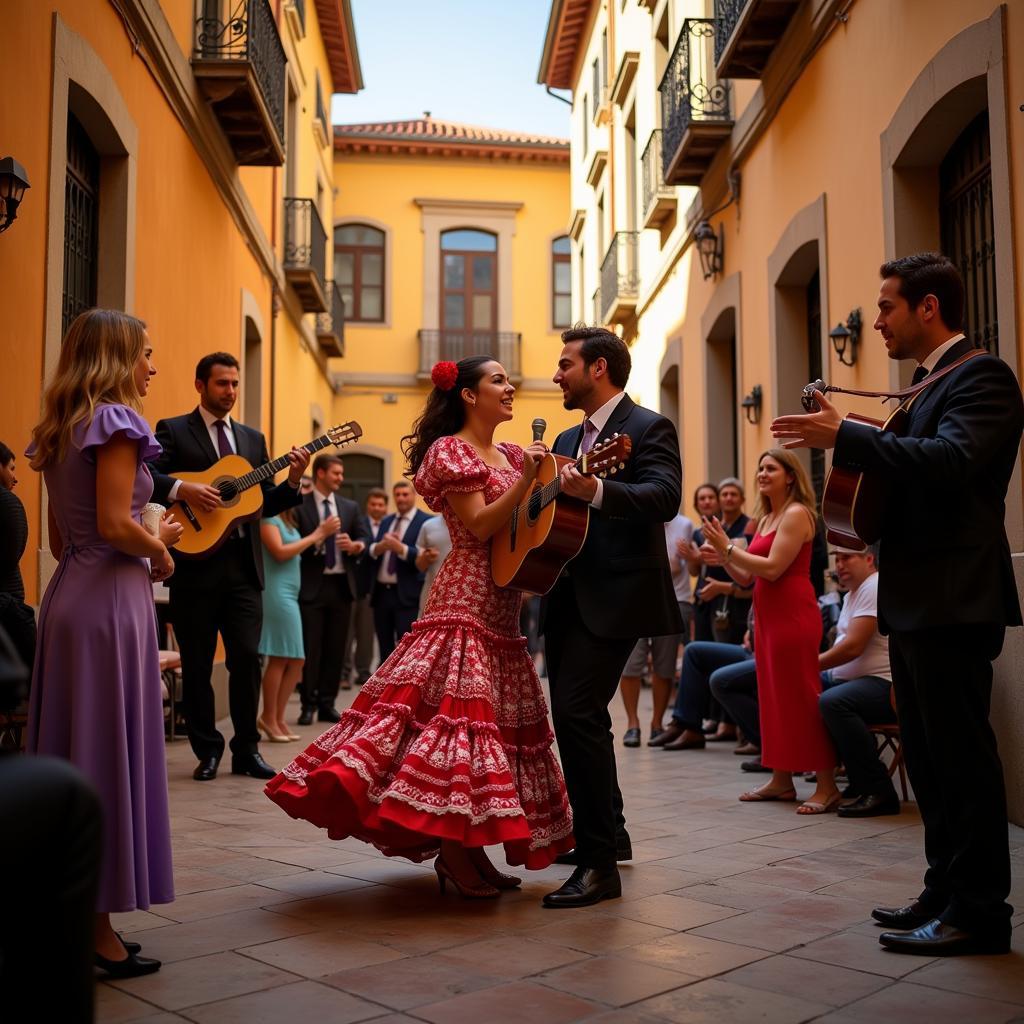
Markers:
point(846, 338)
point(13, 182)
point(751, 405)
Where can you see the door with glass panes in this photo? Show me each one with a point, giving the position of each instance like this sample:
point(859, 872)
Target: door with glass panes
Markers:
point(469, 293)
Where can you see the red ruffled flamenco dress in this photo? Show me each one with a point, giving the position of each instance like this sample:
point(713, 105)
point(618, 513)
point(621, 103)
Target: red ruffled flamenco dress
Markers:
point(449, 739)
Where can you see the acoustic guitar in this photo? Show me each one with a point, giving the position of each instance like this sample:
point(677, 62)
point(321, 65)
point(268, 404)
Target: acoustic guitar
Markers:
point(548, 529)
point(241, 498)
point(853, 501)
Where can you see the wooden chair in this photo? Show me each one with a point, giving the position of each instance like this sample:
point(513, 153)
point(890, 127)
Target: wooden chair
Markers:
point(887, 737)
point(170, 663)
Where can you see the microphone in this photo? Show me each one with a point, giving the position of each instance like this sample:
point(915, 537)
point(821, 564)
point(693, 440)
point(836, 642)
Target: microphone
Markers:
point(539, 426)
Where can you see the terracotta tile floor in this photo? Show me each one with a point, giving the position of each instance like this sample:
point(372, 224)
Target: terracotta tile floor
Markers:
point(730, 912)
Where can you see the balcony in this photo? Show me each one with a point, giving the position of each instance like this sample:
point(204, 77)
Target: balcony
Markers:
point(620, 279)
point(305, 251)
point(696, 112)
point(659, 199)
point(746, 34)
point(330, 326)
point(239, 64)
point(321, 122)
point(505, 346)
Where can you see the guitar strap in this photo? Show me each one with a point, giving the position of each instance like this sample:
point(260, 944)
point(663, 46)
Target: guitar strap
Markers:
point(906, 393)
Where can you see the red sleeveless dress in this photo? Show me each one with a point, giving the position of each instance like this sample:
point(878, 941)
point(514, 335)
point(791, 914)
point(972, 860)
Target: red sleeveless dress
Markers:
point(449, 739)
point(787, 638)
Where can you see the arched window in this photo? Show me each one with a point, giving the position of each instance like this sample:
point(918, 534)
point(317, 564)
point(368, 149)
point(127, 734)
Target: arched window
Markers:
point(359, 271)
point(469, 281)
point(561, 283)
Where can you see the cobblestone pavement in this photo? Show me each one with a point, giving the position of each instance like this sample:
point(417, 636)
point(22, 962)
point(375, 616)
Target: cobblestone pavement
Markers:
point(730, 912)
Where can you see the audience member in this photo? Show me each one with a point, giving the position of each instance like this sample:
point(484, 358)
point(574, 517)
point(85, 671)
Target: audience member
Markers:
point(737, 693)
point(327, 586)
point(662, 650)
point(787, 630)
point(397, 583)
point(358, 664)
point(435, 545)
point(220, 593)
point(858, 685)
point(281, 636)
point(95, 698)
point(15, 616)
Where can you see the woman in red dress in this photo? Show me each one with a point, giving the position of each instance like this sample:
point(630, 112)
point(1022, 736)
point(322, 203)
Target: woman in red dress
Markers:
point(447, 748)
point(787, 630)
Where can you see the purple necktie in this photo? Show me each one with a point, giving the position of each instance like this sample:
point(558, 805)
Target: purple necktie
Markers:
point(223, 444)
point(330, 544)
point(590, 433)
point(392, 566)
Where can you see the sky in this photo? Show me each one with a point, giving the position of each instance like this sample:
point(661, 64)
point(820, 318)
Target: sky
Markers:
point(473, 61)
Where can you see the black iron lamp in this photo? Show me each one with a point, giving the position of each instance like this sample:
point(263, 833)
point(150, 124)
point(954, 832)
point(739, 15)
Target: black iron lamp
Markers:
point(751, 405)
point(709, 248)
point(846, 337)
point(13, 182)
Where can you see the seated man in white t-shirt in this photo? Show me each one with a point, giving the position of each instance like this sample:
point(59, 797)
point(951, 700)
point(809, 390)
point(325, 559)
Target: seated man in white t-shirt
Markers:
point(857, 680)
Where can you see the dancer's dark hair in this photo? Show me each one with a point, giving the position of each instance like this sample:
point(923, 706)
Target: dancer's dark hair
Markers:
point(444, 413)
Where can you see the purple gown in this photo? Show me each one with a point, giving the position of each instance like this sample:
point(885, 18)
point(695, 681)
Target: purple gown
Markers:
point(95, 697)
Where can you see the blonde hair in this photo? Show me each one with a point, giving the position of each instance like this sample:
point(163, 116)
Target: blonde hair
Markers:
point(801, 490)
point(96, 366)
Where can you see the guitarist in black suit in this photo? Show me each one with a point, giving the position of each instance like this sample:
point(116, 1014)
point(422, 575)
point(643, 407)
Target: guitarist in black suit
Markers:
point(220, 593)
point(396, 586)
point(618, 588)
point(946, 594)
point(328, 586)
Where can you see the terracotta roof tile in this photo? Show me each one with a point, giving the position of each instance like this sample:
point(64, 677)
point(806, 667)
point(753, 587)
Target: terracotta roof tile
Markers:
point(427, 129)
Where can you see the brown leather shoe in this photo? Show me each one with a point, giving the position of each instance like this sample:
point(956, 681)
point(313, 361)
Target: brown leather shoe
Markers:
point(686, 742)
point(671, 731)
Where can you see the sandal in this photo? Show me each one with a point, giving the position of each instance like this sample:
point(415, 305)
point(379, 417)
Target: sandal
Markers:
point(814, 807)
point(756, 795)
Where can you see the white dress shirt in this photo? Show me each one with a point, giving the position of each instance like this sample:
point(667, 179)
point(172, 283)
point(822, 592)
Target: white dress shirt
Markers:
point(339, 566)
point(931, 360)
point(399, 526)
point(599, 419)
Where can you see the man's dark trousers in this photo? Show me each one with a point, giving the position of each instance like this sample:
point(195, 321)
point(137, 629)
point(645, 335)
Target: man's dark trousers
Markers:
point(943, 684)
point(225, 598)
point(701, 660)
point(390, 619)
point(848, 707)
point(325, 621)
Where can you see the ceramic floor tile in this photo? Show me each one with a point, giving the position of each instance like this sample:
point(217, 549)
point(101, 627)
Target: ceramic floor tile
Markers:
point(507, 958)
point(691, 954)
point(720, 1002)
point(306, 1001)
point(611, 979)
point(319, 953)
point(825, 983)
point(911, 1002)
point(517, 1003)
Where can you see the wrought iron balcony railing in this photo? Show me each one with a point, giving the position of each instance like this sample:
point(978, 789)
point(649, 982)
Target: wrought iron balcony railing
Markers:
point(305, 253)
point(239, 64)
point(620, 278)
point(505, 346)
point(659, 199)
point(330, 326)
point(746, 34)
point(696, 112)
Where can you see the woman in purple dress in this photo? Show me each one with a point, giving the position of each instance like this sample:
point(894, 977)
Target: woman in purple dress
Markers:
point(95, 697)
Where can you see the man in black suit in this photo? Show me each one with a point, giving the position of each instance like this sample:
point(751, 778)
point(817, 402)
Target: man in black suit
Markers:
point(618, 588)
point(395, 592)
point(361, 633)
point(327, 588)
point(946, 594)
point(222, 592)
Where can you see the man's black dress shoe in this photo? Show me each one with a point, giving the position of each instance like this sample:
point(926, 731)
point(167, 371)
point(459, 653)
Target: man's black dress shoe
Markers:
point(871, 805)
point(586, 886)
point(206, 769)
point(904, 918)
point(623, 851)
point(306, 717)
point(936, 938)
point(131, 967)
point(253, 765)
point(328, 715)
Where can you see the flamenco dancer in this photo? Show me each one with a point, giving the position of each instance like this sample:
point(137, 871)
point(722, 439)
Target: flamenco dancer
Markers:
point(447, 748)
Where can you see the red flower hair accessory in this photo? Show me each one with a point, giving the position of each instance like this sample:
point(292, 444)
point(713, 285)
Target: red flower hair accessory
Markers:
point(444, 375)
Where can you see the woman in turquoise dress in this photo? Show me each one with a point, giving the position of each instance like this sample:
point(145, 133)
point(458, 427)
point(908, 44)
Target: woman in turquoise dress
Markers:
point(281, 636)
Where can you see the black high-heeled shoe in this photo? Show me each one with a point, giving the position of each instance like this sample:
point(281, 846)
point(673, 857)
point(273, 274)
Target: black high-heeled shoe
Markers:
point(491, 875)
point(132, 966)
point(130, 947)
point(481, 891)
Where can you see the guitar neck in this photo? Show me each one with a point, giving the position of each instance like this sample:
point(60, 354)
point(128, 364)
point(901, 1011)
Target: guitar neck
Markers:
point(553, 488)
point(271, 469)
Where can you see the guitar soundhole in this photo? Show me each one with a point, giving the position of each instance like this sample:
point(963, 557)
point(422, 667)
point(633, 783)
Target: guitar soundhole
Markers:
point(228, 490)
point(533, 506)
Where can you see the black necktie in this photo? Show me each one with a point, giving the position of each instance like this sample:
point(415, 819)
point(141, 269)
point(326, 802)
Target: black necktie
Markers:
point(223, 444)
point(919, 375)
point(330, 544)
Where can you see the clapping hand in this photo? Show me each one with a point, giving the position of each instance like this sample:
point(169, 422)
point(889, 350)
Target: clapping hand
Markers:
point(714, 536)
point(713, 589)
point(389, 542)
point(329, 526)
